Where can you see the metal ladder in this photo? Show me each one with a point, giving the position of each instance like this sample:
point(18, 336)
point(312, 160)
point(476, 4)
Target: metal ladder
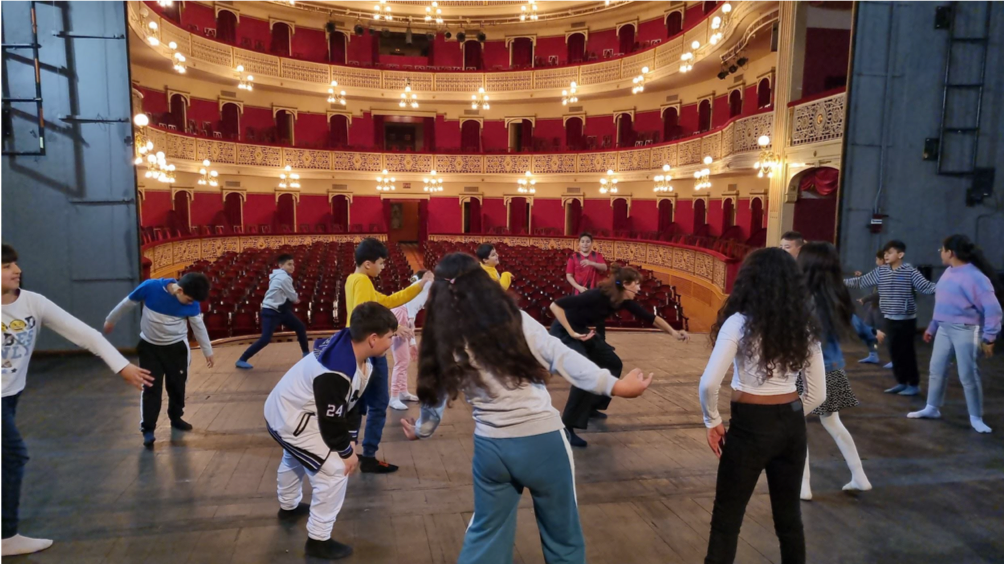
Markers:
point(37, 99)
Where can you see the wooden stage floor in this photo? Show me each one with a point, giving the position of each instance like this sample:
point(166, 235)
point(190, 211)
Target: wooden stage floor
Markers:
point(645, 483)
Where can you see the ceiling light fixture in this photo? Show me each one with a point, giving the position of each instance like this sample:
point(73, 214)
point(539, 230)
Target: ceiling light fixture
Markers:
point(340, 98)
point(385, 183)
point(528, 11)
point(703, 176)
point(142, 144)
point(527, 185)
point(433, 183)
point(662, 181)
point(480, 100)
point(289, 179)
point(768, 160)
point(407, 97)
point(245, 82)
point(608, 183)
point(151, 34)
point(639, 81)
point(382, 10)
point(568, 96)
point(208, 176)
point(433, 12)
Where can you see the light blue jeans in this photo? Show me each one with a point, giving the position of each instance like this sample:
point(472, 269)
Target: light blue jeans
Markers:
point(964, 340)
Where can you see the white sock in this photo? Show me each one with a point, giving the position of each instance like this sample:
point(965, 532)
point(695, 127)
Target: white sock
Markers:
point(929, 412)
point(840, 434)
point(18, 544)
point(397, 404)
point(806, 494)
point(979, 425)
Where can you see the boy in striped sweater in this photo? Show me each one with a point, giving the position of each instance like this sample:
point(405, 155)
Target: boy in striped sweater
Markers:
point(896, 281)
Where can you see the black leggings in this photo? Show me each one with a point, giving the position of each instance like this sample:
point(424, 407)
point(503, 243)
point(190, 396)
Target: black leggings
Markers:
point(760, 437)
point(580, 402)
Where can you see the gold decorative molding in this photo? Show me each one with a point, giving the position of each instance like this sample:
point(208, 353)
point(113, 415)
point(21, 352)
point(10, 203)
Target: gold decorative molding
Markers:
point(224, 101)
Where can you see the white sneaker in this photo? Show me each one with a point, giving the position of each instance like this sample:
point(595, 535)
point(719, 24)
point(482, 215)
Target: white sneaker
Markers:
point(408, 397)
point(397, 404)
point(18, 544)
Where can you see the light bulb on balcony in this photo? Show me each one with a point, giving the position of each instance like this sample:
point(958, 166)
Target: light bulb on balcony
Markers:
point(695, 45)
point(707, 160)
point(726, 8)
point(763, 141)
point(141, 120)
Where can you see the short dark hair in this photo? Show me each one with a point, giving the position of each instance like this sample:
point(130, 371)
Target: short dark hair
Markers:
point(283, 258)
point(484, 251)
point(421, 273)
point(586, 234)
point(370, 249)
point(369, 318)
point(880, 254)
point(895, 244)
point(195, 285)
point(793, 236)
point(9, 254)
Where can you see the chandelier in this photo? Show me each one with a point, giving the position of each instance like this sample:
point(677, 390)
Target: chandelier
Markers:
point(142, 144)
point(703, 176)
point(245, 82)
point(608, 183)
point(385, 183)
point(528, 11)
point(208, 176)
point(568, 96)
point(165, 3)
point(433, 183)
point(688, 57)
point(151, 34)
point(662, 181)
point(158, 169)
point(527, 185)
point(331, 94)
point(768, 160)
point(179, 59)
point(718, 24)
point(382, 10)
point(639, 81)
point(289, 179)
point(479, 100)
point(408, 98)
point(432, 12)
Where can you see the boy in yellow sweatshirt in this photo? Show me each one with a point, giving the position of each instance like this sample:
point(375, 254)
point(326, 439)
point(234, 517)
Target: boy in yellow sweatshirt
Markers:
point(371, 257)
point(489, 259)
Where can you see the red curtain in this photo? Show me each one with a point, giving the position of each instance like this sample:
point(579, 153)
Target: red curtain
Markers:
point(625, 131)
point(429, 133)
point(700, 215)
point(284, 127)
point(670, 124)
point(231, 119)
point(423, 221)
point(338, 133)
point(233, 210)
point(621, 221)
point(573, 134)
point(626, 39)
point(526, 135)
point(576, 48)
point(470, 137)
point(340, 213)
point(280, 40)
point(823, 181)
point(285, 213)
point(728, 214)
point(665, 216)
point(674, 24)
point(336, 48)
point(704, 116)
point(474, 209)
point(386, 215)
point(574, 218)
point(472, 55)
point(226, 27)
point(756, 215)
point(517, 215)
point(735, 103)
point(178, 112)
point(182, 207)
point(522, 52)
point(763, 94)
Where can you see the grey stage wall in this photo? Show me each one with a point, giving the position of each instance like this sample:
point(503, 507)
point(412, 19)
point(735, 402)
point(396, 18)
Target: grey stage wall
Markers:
point(71, 214)
point(896, 92)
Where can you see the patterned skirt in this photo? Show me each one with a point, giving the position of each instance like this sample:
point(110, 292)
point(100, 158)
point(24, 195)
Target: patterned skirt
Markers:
point(838, 393)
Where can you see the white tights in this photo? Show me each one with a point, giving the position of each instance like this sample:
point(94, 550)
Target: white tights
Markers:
point(831, 422)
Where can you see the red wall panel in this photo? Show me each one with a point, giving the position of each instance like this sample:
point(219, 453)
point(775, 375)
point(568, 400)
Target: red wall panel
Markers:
point(493, 212)
point(494, 136)
point(154, 101)
point(254, 30)
point(600, 40)
point(548, 46)
point(156, 208)
point(446, 53)
point(684, 215)
point(651, 29)
point(598, 214)
point(207, 209)
point(495, 54)
point(447, 134)
point(259, 208)
point(310, 44)
point(367, 210)
point(548, 212)
point(693, 15)
point(203, 110)
point(719, 111)
point(445, 216)
point(313, 208)
point(550, 129)
point(361, 131)
point(688, 119)
point(743, 216)
point(199, 15)
point(600, 126)
point(311, 130)
point(360, 48)
point(258, 118)
point(644, 215)
point(648, 121)
point(749, 100)
point(714, 217)
point(826, 55)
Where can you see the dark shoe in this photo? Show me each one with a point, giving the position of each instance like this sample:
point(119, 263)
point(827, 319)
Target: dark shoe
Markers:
point(329, 549)
point(295, 513)
point(370, 465)
point(596, 414)
point(148, 438)
point(575, 440)
point(181, 425)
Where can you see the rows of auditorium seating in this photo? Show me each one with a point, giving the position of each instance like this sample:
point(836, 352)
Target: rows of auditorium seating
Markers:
point(240, 280)
point(154, 234)
point(539, 279)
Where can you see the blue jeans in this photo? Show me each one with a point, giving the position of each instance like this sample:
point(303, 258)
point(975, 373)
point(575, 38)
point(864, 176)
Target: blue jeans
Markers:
point(964, 341)
point(865, 332)
point(502, 468)
point(375, 399)
point(270, 321)
point(15, 456)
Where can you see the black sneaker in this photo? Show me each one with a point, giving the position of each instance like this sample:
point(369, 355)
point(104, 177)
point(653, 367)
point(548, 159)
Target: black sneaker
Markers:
point(575, 440)
point(181, 425)
point(370, 465)
point(148, 439)
point(329, 549)
point(295, 513)
point(596, 414)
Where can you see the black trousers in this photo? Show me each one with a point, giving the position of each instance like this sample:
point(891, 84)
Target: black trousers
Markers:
point(168, 364)
point(760, 437)
point(902, 334)
point(580, 402)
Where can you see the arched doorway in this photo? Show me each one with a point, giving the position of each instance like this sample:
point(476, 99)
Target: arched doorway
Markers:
point(573, 134)
point(573, 217)
point(815, 211)
point(520, 136)
point(674, 24)
point(728, 217)
point(281, 39)
point(179, 112)
point(338, 132)
point(521, 53)
point(700, 217)
point(763, 93)
point(337, 48)
point(625, 130)
point(230, 122)
point(182, 207)
point(625, 39)
point(226, 27)
point(666, 226)
point(233, 211)
point(519, 216)
point(735, 103)
point(472, 215)
point(470, 136)
point(472, 55)
point(756, 215)
point(621, 223)
point(670, 124)
point(285, 214)
point(284, 127)
point(704, 116)
point(340, 213)
point(576, 47)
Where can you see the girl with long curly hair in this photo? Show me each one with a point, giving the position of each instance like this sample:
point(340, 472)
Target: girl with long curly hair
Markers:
point(766, 330)
point(820, 265)
point(477, 341)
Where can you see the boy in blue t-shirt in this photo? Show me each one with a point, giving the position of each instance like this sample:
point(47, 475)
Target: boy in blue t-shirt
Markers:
point(169, 307)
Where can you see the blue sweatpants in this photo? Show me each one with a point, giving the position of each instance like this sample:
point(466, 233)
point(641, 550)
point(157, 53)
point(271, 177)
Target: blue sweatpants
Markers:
point(865, 332)
point(502, 468)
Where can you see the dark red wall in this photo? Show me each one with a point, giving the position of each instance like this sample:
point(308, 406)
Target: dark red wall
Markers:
point(826, 55)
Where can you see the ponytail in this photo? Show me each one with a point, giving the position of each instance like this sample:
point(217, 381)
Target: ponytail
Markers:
point(613, 286)
point(968, 252)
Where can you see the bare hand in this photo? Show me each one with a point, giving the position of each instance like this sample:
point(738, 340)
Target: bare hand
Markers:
point(209, 361)
point(857, 273)
point(351, 463)
point(880, 337)
point(682, 336)
point(427, 277)
point(136, 377)
point(405, 332)
point(928, 337)
point(408, 425)
point(716, 439)
point(586, 337)
point(585, 262)
point(988, 349)
point(632, 385)
point(109, 327)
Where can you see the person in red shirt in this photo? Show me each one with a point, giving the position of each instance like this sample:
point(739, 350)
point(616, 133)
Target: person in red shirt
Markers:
point(584, 267)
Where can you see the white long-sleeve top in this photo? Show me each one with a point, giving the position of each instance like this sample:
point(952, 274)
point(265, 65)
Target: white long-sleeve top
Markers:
point(748, 376)
point(22, 321)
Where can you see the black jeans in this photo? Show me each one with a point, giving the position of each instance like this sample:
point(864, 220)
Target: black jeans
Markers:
point(168, 364)
point(15, 456)
point(760, 437)
point(270, 321)
point(580, 402)
point(902, 334)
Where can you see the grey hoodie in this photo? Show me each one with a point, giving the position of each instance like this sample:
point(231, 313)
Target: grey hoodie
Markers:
point(280, 290)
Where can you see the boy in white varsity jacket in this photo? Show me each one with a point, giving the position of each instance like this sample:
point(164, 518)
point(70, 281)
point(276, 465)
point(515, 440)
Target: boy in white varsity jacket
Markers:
point(313, 414)
point(24, 315)
point(169, 307)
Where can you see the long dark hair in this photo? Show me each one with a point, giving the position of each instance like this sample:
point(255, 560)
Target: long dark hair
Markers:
point(613, 286)
point(471, 320)
point(824, 280)
point(780, 325)
point(967, 251)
